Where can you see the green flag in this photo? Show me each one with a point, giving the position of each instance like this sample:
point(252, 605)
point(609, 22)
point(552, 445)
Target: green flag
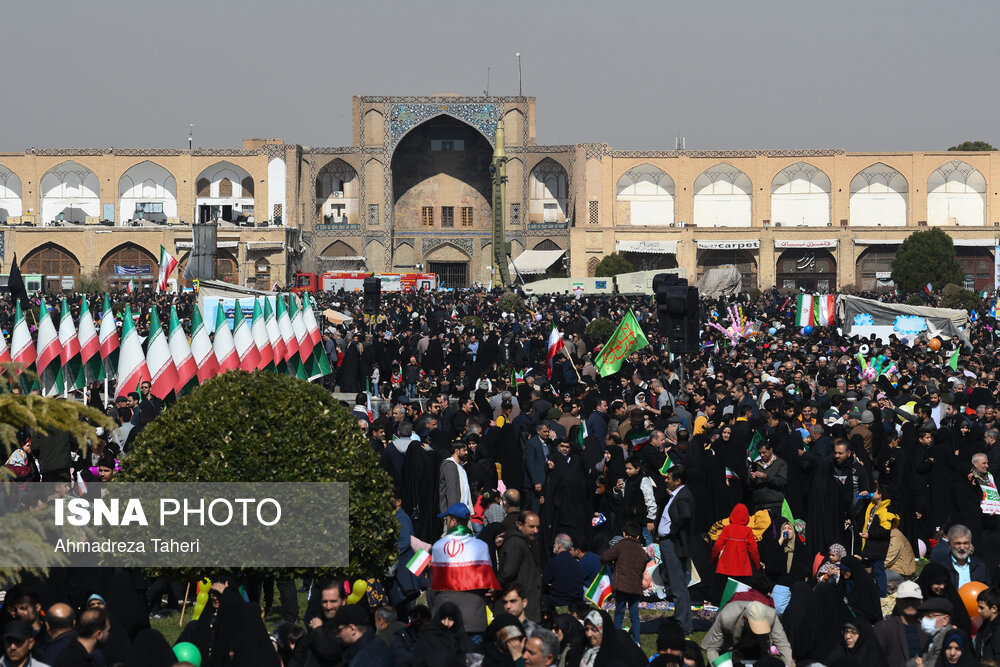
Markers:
point(626, 339)
point(667, 465)
point(786, 512)
point(752, 453)
point(953, 362)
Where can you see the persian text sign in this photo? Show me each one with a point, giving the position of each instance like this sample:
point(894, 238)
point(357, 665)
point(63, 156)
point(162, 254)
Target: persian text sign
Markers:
point(991, 499)
point(174, 524)
point(626, 339)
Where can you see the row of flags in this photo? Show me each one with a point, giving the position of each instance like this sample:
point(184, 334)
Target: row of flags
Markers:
point(283, 339)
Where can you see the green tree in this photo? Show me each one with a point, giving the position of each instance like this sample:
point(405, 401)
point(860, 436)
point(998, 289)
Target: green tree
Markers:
point(25, 536)
point(598, 331)
point(973, 146)
point(612, 265)
point(268, 427)
point(926, 257)
point(511, 302)
point(954, 296)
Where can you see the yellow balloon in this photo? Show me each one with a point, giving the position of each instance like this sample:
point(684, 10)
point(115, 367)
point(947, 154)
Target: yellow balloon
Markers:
point(357, 592)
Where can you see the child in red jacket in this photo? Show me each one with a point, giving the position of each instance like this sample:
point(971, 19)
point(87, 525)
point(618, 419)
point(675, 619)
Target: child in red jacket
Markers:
point(735, 552)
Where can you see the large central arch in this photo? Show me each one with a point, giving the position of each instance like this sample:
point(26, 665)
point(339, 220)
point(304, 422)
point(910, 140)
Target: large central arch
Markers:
point(439, 168)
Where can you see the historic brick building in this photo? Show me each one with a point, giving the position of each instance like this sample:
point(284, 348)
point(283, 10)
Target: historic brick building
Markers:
point(413, 189)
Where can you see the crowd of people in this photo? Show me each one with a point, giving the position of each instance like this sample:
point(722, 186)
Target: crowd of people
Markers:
point(764, 491)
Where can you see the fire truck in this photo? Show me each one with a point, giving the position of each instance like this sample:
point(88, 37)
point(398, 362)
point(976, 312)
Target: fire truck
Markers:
point(353, 281)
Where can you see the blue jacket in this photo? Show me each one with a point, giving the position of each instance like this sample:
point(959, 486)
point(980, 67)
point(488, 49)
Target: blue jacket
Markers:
point(563, 579)
point(597, 426)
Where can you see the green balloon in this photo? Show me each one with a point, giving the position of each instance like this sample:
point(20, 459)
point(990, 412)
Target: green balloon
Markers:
point(188, 652)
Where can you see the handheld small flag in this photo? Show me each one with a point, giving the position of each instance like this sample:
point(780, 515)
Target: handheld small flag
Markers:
point(600, 589)
point(928, 288)
point(953, 362)
point(786, 512)
point(752, 453)
point(724, 660)
point(732, 588)
point(667, 465)
point(419, 562)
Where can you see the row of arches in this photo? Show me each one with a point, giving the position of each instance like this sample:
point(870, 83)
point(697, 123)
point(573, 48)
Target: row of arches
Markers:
point(126, 262)
point(816, 269)
point(800, 196)
point(71, 192)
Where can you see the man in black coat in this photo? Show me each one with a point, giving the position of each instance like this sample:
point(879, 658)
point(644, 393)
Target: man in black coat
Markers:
point(676, 538)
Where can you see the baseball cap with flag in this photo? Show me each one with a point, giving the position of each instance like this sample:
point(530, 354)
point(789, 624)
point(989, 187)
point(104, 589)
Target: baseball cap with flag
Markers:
point(458, 510)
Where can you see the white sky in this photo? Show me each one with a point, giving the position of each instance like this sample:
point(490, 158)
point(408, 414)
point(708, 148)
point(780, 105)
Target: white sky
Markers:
point(727, 74)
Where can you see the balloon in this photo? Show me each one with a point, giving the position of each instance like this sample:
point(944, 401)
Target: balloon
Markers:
point(357, 592)
point(935, 345)
point(188, 652)
point(922, 547)
point(970, 596)
point(802, 331)
point(538, 317)
point(807, 329)
point(772, 331)
point(199, 605)
point(868, 373)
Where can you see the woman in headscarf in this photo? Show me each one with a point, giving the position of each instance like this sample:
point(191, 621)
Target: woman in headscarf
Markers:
point(606, 645)
point(149, 649)
point(956, 651)
point(732, 454)
point(567, 491)
point(935, 581)
point(444, 641)
point(503, 643)
point(571, 639)
point(859, 590)
point(813, 621)
point(859, 644)
point(251, 646)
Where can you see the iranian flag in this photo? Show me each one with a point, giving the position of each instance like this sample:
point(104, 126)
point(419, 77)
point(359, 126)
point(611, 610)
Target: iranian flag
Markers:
point(180, 352)
point(49, 362)
point(130, 288)
point(108, 337)
point(69, 353)
point(293, 364)
point(90, 344)
point(555, 345)
point(158, 359)
point(4, 350)
point(318, 364)
point(201, 348)
point(243, 340)
point(167, 265)
point(312, 326)
point(22, 348)
point(258, 327)
point(460, 562)
point(22, 351)
point(600, 589)
point(131, 361)
point(223, 345)
point(285, 328)
point(297, 315)
point(815, 310)
point(419, 562)
point(274, 334)
point(724, 660)
point(732, 588)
